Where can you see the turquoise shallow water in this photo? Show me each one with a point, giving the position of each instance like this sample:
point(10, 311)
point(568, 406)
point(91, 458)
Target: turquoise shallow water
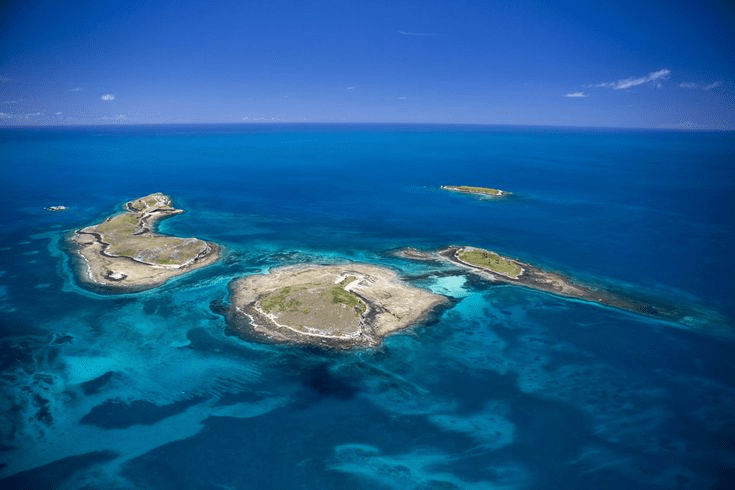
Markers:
point(508, 388)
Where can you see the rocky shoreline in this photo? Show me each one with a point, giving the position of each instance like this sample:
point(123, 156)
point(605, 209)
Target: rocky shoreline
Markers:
point(123, 254)
point(329, 306)
point(293, 305)
point(551, 282)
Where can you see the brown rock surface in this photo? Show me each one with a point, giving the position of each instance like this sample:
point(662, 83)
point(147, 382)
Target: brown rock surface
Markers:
point(124, 254)
point(339, 306)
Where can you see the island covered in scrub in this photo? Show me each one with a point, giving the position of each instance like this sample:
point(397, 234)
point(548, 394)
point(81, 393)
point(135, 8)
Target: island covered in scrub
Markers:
point(333, 306)
point(496, 268)
point(477, 191)
point(477, 257)
point(124, 253)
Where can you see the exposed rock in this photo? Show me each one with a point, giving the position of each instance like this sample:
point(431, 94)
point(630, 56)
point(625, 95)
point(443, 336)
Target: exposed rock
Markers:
point(124, 254)
point(338, 306)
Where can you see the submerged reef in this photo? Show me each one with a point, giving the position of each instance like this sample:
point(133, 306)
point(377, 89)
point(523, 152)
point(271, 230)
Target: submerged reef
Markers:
point(336, 306)
point(124, 254)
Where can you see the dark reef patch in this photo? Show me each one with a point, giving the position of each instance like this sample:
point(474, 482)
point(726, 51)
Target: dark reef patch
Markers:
point(204, 342)
point(12, 324)
point(321, 380)
point(54, 475)
point(219, 307)
point(17, 353)
point(240, 397)
point(162, 306)
point(116, 414)
point(60, 339)
point(43, 414)
point(93, 386)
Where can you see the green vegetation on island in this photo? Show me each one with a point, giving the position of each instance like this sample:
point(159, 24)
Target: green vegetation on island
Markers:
point(342, 296)
point(123, 253)
point(128, 235)
point(503, 270)
point(279, 301)
point(335, 306)
point(491, 261)
point(319, 296)
point(480, 191)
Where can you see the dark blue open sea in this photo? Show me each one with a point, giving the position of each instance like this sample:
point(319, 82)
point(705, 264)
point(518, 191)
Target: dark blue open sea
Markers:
point(507, 389)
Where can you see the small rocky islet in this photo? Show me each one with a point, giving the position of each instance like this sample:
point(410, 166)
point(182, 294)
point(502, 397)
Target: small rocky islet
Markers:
point(485, 192)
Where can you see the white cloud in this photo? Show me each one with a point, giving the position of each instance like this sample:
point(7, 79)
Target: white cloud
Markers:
point(5, 79)
point(688, 125)
point(402, 98)
point(107, 97)
point(655, 76)
point(5, 116)
point(697, 86)
point(422, 34)
point(34, 114)
point(245, 118)
point(576, 95)
point(626, 83)
point(76, 89)
point(119, 117)
point(9, 102)
point(58, 113)
point(352, 88)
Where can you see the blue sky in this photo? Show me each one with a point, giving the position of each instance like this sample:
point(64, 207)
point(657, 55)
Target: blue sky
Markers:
point(650, 64)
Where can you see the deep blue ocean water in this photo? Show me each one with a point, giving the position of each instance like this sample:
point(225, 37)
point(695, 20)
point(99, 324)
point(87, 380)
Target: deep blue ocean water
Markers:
point(509, 388)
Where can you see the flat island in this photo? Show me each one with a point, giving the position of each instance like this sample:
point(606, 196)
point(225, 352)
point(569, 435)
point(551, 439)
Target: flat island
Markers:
point(124, 254)
point(477, 257)
point(504, 269)
point(334, 306)
point(496, 268)
point(477, 191)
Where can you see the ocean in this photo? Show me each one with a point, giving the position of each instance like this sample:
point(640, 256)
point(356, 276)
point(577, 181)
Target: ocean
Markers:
point(508, 388)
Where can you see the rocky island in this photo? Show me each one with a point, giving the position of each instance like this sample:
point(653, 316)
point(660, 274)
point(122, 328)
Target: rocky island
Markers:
point(476, 191)
point(124, 253)
point(496, 268)
point(333, 306)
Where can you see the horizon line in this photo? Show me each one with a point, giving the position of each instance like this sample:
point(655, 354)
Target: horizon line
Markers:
point(355, 123)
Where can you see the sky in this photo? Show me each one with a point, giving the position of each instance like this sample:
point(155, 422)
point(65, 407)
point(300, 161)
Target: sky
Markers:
point(633, 64)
